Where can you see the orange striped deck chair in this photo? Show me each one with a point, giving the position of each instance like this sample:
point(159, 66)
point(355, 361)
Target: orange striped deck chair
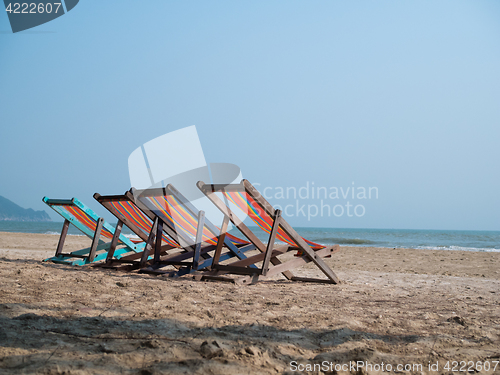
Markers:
point(143, 226)
point(184, 233)
point(245, 198)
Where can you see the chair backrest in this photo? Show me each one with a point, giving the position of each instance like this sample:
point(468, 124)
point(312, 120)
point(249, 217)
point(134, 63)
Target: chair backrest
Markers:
point(83, 218)
point(247, 199)
point(124, 208)
point(168, 204)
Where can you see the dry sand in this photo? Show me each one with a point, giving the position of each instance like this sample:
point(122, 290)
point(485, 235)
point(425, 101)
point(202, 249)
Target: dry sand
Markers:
point(394, 306)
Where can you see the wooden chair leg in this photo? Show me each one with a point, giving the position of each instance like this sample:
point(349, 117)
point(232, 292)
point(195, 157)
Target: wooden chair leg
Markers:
point(62, 238)
point(158, 240)
point(114, 241)
point(95, 241)
point(270, 244)
point(220, 242)
point(149, 243)
point(199, 239)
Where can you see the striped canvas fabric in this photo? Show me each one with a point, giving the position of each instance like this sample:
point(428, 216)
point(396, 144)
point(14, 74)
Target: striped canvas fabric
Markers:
point(131, 212)
point(248, 205)
point(172, 211)
point(85, 219)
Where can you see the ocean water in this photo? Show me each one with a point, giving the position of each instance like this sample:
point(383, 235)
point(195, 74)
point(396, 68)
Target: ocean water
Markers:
point(399, 238)
point(403, 238)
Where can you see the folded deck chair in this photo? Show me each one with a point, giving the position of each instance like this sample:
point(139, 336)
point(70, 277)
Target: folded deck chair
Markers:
point(246, 198)
point(149, 223)
point(89, 223)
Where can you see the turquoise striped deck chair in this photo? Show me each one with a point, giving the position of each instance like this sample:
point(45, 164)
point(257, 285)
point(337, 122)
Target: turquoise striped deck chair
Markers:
point(104, 236)
point(196, 234)
point(244, 198)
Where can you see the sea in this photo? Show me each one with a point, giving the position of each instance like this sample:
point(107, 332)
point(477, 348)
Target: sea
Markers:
point(467, 240)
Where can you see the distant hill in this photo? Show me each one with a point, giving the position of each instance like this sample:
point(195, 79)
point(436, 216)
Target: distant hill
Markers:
point(12, 212)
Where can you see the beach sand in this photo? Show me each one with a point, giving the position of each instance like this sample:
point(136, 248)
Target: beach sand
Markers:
point(394, 306)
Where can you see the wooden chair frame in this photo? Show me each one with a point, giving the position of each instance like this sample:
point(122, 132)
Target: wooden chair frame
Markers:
point(194, 255)
point(94, 253)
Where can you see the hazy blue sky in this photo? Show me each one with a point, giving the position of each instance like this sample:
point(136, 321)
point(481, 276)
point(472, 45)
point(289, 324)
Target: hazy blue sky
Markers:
point(399, 95)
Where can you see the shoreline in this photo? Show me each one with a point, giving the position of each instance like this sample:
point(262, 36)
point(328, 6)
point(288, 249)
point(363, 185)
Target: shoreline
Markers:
point(427, 248)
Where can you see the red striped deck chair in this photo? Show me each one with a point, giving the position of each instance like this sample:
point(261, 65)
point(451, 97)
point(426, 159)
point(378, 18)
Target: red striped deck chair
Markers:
point(194, 231)
point(246, 198)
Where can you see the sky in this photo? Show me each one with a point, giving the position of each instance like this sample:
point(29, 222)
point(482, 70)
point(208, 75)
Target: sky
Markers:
point(402, 97)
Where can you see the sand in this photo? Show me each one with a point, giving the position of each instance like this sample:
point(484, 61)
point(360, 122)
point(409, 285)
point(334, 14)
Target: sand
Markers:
point(401, 307)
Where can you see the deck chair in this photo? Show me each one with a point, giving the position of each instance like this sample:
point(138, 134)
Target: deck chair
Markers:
point(148, 222)
point(246, 198)
point(142, 224)
point(96, 228)
point(195, 232)
point(128, 214)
